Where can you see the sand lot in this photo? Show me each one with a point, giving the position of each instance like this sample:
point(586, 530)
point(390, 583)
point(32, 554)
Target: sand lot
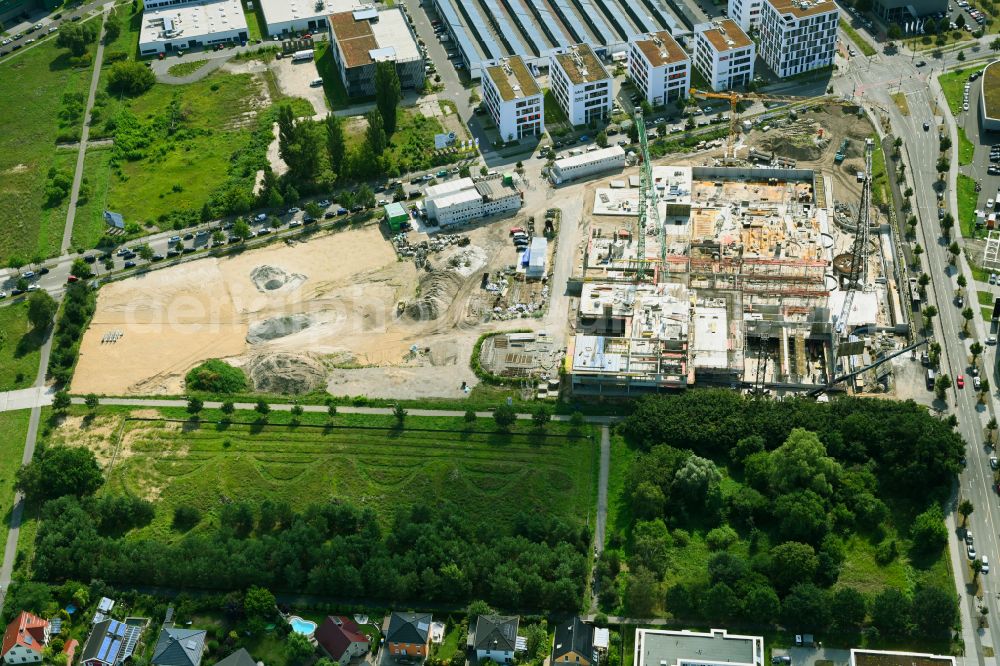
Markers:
point(324, 313)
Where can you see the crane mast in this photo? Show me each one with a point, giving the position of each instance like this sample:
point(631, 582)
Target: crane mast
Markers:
point(858, 279)
point(648, 210)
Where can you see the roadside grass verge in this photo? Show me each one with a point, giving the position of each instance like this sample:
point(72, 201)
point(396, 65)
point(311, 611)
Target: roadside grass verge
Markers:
point(19, 348)
point(858, 40)
point(13, 431)
point(966, 149)
point(37, 80)
point(89, 226)
point(880, 178)
point(966, 197)
point(953, 84)
point(364, 459)
point(185, 68)
point(900, 100)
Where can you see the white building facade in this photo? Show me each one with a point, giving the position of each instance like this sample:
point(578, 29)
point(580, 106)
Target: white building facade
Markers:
point(659, 68)
point(585, 164)
point(513, 99)
point(580, 84)
point(465, 200)
point(169, 25)
point(724, 54)
point(285, 17)
point(798, 36)
point(746, 13)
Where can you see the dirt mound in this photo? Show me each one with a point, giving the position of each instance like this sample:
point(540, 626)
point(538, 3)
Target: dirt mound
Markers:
point(467, 260)
point(799, 141)
point(277, 327)
point(271, 278)
point(284, 372)
point(437, 290)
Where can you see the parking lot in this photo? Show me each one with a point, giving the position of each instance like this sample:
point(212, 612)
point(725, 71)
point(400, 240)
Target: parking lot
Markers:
point(980, 169)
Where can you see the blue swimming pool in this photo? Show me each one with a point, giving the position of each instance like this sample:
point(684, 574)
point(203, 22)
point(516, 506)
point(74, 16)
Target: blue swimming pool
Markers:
point(300, 626)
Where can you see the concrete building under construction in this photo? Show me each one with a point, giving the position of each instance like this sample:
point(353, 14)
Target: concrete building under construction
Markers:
point(733, 286)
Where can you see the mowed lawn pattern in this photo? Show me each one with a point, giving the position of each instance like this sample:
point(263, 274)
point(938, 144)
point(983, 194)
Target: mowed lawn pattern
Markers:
point(490, 476)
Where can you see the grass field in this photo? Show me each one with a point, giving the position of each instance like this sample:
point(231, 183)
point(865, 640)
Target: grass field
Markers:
point(13, 430)
point(19, 348)
point(953, 84)
point(88, 226)
point(37, 79)
point(185, 68)
point(411, 147)
point(966, 198)
point(180, 172)
point(858, 40)
point(880, 178)
point(966, 149)
point(619, 512)
point(364, 460)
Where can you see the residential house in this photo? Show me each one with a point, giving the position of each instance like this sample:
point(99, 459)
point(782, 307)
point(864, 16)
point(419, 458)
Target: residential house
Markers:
point(341, 639)
point(24, 639)
point(574, 643)
point(495, 638)
point(239, 658)
point(179, 647)
point(408, 634)
point(110, 643)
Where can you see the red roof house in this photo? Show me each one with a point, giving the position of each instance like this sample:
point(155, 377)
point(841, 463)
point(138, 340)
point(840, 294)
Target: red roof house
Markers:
point(24, 639)
point(341, 638)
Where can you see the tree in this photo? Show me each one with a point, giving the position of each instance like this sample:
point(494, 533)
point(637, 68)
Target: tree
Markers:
point(59, 471)
point(186, 517)
point(954, 250)
point(967, 315)
point(929, 533)
point(145, 251)
point(375, 138)
point(195, 405)
point(541, 417)
point(929, 313)
point(761, 604)
point(648, 501)
point(335, 146)
point(991, 429)
point(976, 348)
point(259, 603)
point(128, 77)
point(91, 401)
point(891, 612)
point(962, 282)
point(894, 31)
point(218, 237)
point(364, 196)
point(961, 54)
point(400, 413)
point(504, 416)
point(696, 484)
point(792, 563)
point(721, 602)
point(61, 401)
point(297, 410)
point(995, 45)
point(802, 462)
point(112, 28)
point(984, 387)
point(262, 408)
point(41, 309)
point(228, 407)
point(331, 410)
point(601, 139)
point(848, 609)
point(941, 386)
point(943, 165)
point(806, 608)
point(641, 592)
point(298, 648)
point(387, 94)
point(945, 143)
point(470, 415)
point(965, 508)
point(241, 229)
point(947, 224)
point(960, 21)
point(76, 37)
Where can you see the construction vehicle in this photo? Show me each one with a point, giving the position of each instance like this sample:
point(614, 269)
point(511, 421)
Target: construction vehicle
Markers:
point(842, 151)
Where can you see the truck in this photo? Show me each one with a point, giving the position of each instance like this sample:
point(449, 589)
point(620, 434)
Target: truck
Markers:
point(842, 152)
point(304, 54)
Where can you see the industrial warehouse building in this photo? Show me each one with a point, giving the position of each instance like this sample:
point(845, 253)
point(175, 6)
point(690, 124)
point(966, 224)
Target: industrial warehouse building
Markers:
point(585, 164)
point(723, 54)
point(513, 99)
point(465, 200)
point(364, 37)
point(169, 25)
point(659, 68)
point(989, 97)
point(657, 647)
point(581, 85)
point(798, 36)
point(284, 17)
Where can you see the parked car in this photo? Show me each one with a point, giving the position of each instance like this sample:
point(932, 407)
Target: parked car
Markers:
point(960, 381)
point(129, 264)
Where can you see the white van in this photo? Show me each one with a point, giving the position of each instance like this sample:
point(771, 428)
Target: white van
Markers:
point(316, 83)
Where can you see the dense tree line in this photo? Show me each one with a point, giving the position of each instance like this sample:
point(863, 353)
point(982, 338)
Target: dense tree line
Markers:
point(804, 476)
point(78, 307)
point(332, 549)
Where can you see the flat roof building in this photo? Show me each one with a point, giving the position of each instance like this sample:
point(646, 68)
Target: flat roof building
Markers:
point(288, 16)
point(513, 99)
point(465, 200)
point(746, 13)
point(585, 164)
point(899, 11)
point(723, 54)
point(656, 647)
point(989, 97)
point(798, 36)
point(363, 37)
point(659, 68)
point(887, 658)
point(580, 84)
point(168, 26)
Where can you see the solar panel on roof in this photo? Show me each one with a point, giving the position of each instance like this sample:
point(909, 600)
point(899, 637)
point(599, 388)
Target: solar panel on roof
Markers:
point(102, 654)
point(422, 626)
point(113, 650)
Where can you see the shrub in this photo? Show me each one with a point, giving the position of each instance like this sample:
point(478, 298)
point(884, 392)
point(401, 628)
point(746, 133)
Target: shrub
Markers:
point(215, 376)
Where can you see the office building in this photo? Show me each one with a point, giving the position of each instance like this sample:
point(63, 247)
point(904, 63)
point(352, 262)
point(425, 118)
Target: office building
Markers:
point(465, 200)
point(746, 13)
point(10, 10)
point(361, 38)
point(585, 164)
point(513, 99)
point(798, 36)
point(659, 68)
point(284, 18)
point(657, 647)
point(723, 54)
point(900, 11)
point(580, 84)
point(171, 26)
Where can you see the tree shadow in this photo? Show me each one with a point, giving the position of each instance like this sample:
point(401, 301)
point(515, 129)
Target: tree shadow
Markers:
point(30, 342)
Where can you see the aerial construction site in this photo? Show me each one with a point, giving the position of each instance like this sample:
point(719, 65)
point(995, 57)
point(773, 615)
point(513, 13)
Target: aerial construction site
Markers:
point(745, 276)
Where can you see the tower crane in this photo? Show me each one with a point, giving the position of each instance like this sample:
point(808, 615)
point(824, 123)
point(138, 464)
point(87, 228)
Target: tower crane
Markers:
point(648, 210)
point(858, 279)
